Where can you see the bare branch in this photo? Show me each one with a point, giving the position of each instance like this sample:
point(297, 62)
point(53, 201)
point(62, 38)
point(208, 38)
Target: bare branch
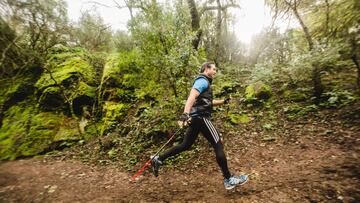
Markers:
point(222, 8)
point(130, 5)
point(97, 3)
point(120, 6)
point(5, 51)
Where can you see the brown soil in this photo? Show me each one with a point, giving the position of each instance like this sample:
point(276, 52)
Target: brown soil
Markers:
point(315, 159)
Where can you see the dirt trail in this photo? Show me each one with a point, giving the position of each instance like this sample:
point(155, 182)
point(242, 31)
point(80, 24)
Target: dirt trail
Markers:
point(309, 161)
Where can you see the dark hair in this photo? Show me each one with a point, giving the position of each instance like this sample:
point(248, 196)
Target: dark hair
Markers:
point(206, 65)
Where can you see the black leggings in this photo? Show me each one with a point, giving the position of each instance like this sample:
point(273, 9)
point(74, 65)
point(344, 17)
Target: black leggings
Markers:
point(204, 126)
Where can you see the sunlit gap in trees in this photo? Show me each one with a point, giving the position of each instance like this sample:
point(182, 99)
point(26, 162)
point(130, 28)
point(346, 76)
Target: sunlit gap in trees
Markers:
point(250, 19)
point(253, 17)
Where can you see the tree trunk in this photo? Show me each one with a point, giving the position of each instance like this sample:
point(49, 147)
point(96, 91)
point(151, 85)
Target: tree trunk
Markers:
point(130, 10)
point(195, 23)
point(1, 114)
point(173, 87)
point(327, 19)
point(316, 78)
point(218, 34)
point(303, 26)
point(354, 58)
point(316, 70)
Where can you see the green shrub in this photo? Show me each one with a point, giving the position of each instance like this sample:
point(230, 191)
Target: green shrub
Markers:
point(337, 99)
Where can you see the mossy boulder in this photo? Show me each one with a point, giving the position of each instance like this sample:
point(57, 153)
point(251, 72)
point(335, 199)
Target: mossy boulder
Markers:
point(72, 78)
point(26, 132)
point(121, 70)
point(15, 89)
point(258, 90)
point(121, 77)
point(66, 73)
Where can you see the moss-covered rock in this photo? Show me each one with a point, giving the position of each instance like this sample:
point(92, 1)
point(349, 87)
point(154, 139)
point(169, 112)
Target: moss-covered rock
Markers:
point(84, 89)
point(121, 77)
point(66, 73)
point(52, 99)
point(14, 90)
point(26, 132)
point(258, 90)
point(121, 70)
point(72, 79)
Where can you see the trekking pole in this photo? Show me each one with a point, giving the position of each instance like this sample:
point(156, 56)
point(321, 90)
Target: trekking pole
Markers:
point(148, 163)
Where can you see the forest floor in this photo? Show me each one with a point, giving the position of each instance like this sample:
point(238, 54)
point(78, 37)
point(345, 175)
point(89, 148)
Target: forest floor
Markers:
point(311, 159)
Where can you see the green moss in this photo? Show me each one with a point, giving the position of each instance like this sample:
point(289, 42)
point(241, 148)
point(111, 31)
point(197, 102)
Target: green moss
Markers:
point(14, 122)
point(92, 130)
point(258, 90)
point(60, 53)
point(7, 89)
point(15, 89)
point(227, 88)
point(51, 98)
point(111, 67)
point(66, 65)
point(52, 90)
point(35, 143)
point(114, 111)
point(27, 133)
point(68, 131)
point(149, 91)
point(71, 77)
point(121, 69)
point(84, 89)
point(6, 151)
point(238, 118)
point(14, 129)
point(66, 72)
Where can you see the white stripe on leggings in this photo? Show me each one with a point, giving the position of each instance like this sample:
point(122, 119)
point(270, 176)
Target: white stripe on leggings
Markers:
point(212, 130)
point(212, 127)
